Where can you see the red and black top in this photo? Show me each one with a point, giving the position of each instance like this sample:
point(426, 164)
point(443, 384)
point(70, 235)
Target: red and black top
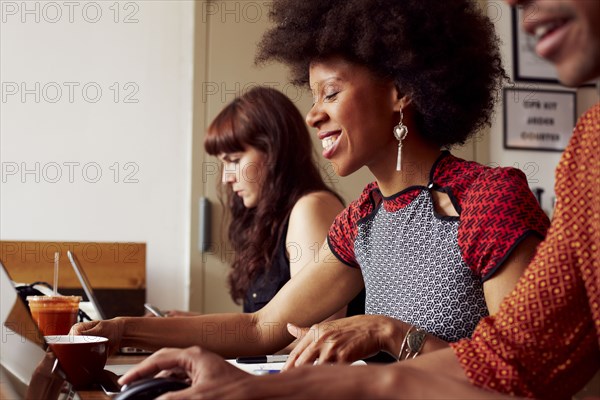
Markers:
point(427, 269)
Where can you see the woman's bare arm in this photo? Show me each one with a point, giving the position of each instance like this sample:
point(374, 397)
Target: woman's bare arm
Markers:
point(309, 223)
point(304, 300)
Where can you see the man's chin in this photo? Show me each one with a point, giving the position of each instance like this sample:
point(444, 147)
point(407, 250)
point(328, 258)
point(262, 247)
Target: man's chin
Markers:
point(576, 75)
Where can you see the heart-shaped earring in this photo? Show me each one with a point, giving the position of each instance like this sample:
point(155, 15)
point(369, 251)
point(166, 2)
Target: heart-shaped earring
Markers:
point(400, 133)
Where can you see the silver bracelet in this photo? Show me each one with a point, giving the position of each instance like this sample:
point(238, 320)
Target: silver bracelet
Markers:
point(412, 344)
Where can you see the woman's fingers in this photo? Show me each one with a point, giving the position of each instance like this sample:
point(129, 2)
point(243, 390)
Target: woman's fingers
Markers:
point(303, 341)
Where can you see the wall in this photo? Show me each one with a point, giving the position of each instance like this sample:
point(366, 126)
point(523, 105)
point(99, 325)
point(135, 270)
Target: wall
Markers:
point(537, 165)
point(100, 166)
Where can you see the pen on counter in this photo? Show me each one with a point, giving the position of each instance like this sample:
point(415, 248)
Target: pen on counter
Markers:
point(154, 310)
point(265, 371)
point(262, 359)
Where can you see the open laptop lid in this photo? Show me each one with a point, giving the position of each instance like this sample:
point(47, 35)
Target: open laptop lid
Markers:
point(85, 284)
point(89, 292)
point(27, 370)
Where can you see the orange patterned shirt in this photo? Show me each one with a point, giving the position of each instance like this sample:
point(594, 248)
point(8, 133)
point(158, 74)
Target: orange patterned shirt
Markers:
point(545, 340)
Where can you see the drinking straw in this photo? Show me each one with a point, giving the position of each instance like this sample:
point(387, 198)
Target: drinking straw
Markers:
point(56, 256)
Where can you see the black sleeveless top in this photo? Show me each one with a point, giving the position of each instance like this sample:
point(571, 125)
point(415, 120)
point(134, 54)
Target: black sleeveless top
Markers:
point(269, 281)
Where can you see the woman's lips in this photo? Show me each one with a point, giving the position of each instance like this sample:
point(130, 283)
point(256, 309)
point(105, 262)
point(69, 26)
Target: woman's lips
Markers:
point(329, 143)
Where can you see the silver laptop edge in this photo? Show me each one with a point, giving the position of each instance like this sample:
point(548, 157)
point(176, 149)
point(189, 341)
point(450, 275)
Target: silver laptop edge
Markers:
point(85, 283)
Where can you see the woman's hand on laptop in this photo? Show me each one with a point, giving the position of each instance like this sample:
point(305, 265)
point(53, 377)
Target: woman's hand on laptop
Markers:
point(111, 329)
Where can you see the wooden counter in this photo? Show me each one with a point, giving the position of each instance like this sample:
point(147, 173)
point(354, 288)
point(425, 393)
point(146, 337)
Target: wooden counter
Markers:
point(117, 271)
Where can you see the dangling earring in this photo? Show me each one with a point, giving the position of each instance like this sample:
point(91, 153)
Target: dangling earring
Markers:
point(400, 132)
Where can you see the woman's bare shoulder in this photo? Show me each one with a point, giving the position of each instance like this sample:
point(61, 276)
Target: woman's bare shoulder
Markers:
point(318, 202)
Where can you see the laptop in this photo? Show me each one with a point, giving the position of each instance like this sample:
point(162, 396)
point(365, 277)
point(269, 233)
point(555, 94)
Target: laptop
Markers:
point(94, 304)
point(87, 287)
point(121, 369)
point(27, 370)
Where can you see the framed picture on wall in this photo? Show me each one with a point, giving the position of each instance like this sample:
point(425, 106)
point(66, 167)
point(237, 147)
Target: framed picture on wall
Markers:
point(538, 119)
point(527, 65)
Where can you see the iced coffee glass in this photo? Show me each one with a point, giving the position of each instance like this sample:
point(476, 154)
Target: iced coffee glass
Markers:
point(54, 315)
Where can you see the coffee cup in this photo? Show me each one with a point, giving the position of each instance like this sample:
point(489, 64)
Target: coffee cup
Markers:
point(54, 315)
point(82, 358)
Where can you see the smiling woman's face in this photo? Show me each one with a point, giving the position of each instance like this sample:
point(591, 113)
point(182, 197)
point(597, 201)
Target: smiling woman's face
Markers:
point(244, 171)
point(354, 114)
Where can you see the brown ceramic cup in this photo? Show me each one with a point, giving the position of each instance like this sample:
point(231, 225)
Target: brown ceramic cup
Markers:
point(82, 358)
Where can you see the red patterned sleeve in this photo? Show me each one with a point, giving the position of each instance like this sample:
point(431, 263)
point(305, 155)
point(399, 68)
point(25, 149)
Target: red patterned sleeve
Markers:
point(344, 229)
point(498, 212)
point(544, 342)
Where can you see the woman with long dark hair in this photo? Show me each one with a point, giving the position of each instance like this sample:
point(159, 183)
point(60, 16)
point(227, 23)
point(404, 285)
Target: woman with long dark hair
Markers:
point(279, 207)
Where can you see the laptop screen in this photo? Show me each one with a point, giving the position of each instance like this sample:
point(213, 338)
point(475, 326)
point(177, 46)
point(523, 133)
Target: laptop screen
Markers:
point(96, 311)
point(27, 370)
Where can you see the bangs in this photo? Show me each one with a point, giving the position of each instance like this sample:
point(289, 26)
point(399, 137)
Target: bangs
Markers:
point(228, 133)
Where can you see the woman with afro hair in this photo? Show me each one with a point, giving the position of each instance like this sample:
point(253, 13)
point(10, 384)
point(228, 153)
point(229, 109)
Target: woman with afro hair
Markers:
point(436, 241)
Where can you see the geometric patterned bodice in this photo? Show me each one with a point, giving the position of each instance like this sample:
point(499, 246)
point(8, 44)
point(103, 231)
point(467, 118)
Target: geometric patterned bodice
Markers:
point(414, 272)
point(427, 269)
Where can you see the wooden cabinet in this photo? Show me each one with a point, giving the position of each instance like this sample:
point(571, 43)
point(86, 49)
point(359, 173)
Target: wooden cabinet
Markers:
point(116, 271)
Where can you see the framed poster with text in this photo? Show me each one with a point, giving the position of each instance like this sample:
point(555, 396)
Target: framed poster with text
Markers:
point(527, 65)
point(538, 119)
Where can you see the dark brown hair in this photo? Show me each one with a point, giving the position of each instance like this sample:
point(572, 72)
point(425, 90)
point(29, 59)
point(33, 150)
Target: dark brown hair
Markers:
point(444, 54)
point(268, 121)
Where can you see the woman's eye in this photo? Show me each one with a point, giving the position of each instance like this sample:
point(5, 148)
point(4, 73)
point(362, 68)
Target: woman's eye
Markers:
point(331, 96)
